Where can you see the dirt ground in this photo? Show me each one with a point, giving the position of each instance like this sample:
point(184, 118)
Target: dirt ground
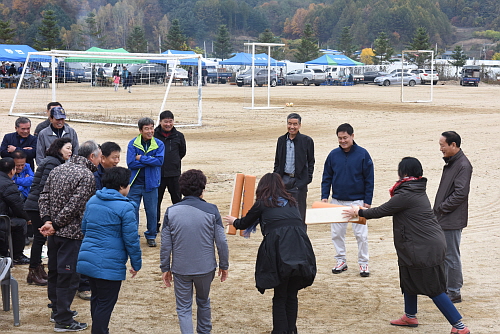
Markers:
point(233, 139)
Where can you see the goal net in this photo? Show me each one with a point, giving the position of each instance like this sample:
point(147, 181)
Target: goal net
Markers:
point(414, 89)
point(83, 82)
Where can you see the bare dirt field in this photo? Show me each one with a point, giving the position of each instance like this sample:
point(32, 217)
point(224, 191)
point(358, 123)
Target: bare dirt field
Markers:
point(233, 139)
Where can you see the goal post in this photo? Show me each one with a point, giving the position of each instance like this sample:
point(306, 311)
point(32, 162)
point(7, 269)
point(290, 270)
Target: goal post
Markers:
point(104, 115)
point(431, 90)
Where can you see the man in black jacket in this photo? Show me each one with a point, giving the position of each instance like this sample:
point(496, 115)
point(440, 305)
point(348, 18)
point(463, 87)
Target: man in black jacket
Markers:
point(175, 150)
point(294, 161)
point(11, 205)
point(20, 140)
point(451, 207)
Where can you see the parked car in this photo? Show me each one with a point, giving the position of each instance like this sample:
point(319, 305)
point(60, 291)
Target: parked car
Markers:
point(470, 75)
point(427, 76)
point(306, 77)
point(369, 77)
point(70, 72)
point(260, 78)
point(148, 73)
point(180, 74)
point(409, 79)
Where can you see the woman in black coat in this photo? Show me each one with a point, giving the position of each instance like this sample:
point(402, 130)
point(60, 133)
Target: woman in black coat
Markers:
point(285, 260)
point(59, 151)
point(420, 245)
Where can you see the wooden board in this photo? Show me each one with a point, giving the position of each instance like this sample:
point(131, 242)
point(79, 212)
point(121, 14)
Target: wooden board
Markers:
point(234, 209)
point(329, 215)
point(248, 195)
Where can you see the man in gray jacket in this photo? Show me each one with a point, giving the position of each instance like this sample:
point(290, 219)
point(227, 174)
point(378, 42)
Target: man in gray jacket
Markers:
point(190, 230)
point(451, 207)
point(57, 129)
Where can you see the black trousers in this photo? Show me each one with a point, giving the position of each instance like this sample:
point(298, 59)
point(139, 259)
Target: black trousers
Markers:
point(299, 194)
point(63, 278)
point(103, 300)
point(286, 306)
point(172, 184)
point(17, 232)
point(38, 239)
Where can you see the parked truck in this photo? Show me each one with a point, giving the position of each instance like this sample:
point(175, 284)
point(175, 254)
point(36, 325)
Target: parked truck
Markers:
point(219, 75)
point(470, 75)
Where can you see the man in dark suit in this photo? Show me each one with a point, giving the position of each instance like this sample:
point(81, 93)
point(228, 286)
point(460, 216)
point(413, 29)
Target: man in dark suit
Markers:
point(294, 161)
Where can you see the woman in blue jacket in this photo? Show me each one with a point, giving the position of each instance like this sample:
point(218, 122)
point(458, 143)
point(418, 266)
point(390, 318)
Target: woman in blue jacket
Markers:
point(110, 238)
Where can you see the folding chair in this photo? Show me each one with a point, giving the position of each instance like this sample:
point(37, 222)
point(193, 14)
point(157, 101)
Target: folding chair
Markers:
point(9, 285)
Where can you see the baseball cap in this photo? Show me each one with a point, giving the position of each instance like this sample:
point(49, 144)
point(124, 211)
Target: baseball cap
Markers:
point(58, 113)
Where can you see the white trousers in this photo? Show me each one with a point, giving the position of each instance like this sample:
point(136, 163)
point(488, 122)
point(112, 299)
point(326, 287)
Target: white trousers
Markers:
point(360, 232)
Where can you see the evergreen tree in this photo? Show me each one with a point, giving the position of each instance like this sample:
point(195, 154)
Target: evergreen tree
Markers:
point(48, 33)
point(382, 49)
point(459, 58)
point(136, 41)
point(222, 44)
point(175, 37)
point(94, 34)
point(420, 42)
point(345, 43)
point(308, 47)
point(268, 37)
point(6, 32)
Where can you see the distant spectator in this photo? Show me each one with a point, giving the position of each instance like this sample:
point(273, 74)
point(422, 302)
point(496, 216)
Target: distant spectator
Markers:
point(20, 140)
point(12, 70)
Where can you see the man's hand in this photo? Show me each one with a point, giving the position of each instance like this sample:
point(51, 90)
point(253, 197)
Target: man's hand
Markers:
point(223, 274)
point(167, 278)
point(27, 148)
point(367, 205)
point(324, 200)
point(47, 229)
point(138, 157)
point(11, 148)
point(133, 272)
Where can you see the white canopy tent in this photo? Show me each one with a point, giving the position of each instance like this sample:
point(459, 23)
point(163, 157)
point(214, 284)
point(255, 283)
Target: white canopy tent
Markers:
point(103, 55)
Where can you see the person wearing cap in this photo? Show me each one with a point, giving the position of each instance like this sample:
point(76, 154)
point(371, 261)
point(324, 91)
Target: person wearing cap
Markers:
point(46, 123)
point(57, 129)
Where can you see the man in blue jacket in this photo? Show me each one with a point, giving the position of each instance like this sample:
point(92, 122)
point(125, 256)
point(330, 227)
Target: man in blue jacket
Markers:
point(145, 156)
point(348, 174)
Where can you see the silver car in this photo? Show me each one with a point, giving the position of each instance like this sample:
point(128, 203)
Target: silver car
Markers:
point(260, 78)
point(409, 79)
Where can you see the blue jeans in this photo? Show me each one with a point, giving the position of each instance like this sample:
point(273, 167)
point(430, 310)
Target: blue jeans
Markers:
point(150, 201)
point(452, 262)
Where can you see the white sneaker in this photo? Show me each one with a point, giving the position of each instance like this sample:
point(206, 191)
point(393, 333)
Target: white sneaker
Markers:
point(340, 267)
point(363, 270)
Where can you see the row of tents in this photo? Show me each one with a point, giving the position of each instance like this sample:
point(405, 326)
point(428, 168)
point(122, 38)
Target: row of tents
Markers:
point(18, 53)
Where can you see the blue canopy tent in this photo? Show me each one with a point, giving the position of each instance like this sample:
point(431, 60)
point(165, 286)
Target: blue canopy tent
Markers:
point(246, 59)
point(338, 60)
point(19, 53)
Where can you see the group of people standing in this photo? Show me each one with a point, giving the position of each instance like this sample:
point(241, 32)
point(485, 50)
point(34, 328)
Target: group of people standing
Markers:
point(88, 209)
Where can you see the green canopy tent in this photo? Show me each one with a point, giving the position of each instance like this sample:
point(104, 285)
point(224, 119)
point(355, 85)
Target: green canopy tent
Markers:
point(106, 59)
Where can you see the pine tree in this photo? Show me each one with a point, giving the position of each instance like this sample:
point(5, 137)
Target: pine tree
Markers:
point(308, 48)
point(94, 34)
point(222, 44)
point(345, 43)
point(382, 49)
point(459, 58)
point(175, 37)
point(48, 33)
point(420, 42)
point(268, 37)
point(136, 41)
point(6, 32)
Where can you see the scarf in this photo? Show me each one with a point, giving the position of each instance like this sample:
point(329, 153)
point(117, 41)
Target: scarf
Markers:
point(404, 179)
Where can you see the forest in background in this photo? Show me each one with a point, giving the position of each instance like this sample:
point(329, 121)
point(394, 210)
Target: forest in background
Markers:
point(111, 23)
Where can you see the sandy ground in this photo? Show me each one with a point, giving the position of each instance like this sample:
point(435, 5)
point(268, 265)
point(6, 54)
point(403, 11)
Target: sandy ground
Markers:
point(233, 139)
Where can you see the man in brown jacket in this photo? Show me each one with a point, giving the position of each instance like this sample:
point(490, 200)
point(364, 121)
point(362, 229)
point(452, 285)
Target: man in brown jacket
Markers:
point(451, 207)
point(62, 204)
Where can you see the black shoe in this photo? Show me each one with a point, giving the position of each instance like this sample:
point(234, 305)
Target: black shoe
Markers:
point(23, 259)
point(75, 326)
point(151, 242)
point(455, 297)
point(75, 313)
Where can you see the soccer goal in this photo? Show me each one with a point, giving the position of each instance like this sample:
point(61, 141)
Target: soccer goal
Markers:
point(83, 82)
point(414, 95)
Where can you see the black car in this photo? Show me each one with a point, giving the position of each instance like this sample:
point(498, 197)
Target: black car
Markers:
point(369, 77)
point(148, 73)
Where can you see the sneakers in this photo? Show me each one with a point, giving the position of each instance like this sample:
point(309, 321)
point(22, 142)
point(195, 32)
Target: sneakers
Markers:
point(455, 297)
point(363, 270)
point(23, 259)
point(151, 242)
point(75, 313)
point(85, 295)
point(340, 267)
point(405, 321)
point(459, 331)
point(75, 326)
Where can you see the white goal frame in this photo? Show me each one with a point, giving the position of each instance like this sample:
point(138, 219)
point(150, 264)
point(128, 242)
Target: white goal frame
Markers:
point(402, 81)
point(122, 56)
